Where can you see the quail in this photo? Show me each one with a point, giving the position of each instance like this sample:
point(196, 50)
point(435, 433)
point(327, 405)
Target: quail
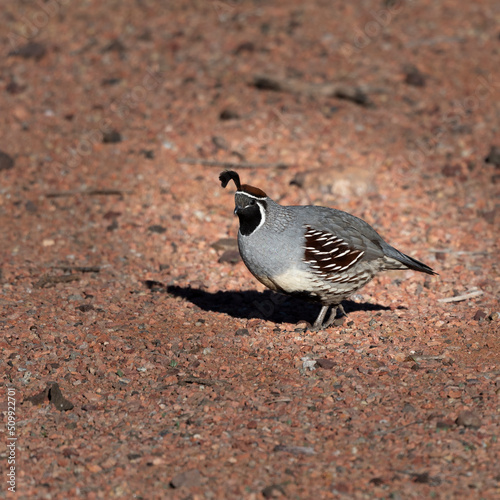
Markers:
point(316, 253)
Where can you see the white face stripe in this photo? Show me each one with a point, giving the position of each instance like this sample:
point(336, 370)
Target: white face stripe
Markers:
point(261, 198)
point(262, 217)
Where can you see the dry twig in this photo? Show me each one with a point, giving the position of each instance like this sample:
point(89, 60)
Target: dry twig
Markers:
point(465, 296)
point(79, 269)
point(50, 281)
point(201, 381)
point(230, 164)
point(87, 192)
point(358, 95)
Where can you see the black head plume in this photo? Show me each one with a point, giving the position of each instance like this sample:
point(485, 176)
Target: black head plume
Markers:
point(228, 175)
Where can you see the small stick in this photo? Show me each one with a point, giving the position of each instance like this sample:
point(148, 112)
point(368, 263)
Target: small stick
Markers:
point(457, 252)
point(88, 192)
point(464, 296)
point(423, 357)
point(201, 381)
point(79, 269)
point(230, 164)
point(50, 281)
point(357, 95)
point(389, 431)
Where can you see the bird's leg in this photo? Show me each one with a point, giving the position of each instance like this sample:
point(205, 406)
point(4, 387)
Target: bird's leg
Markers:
point(318, 324)
point(331, 318)
point(333, 314)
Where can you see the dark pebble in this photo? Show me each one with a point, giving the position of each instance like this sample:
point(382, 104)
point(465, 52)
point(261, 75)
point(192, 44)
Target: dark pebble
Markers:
point(488, 215)
point(408, 408)
point(220, 143)
point(325, 363)
point(273, 491)
point(14, 88)
point(85, 308)
point(451, 170)
point(245, 47)
point(112, 226)
point(114, 46)
point(422, 478)
point(156, 228)
point(229, 114)
point(30, 207)
point(149, 154)
point(414, 77)
point(339, 321)
point(111, 215)
point(242, 332)
point(265, 83)
point(494, 156)
point(225, 244)
point(479, 315)
point(70, 452)
point(231, 256)
point(111, 137)
point(32, 50)
point(440, 256)
point(444, 424)
point(155, 286)
point(57, 399)
point(6, 161)
point(110, 81)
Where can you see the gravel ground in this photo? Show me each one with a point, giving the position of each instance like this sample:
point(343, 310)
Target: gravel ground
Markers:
point(143, 359)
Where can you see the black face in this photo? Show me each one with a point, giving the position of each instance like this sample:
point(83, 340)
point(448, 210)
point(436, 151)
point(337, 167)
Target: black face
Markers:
point(248, 211)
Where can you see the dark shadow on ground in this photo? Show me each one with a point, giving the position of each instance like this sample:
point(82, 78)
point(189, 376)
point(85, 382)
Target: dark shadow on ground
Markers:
point(266, 305)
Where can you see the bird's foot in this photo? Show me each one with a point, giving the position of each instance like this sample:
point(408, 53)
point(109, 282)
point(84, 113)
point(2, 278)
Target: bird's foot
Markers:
point(332, 319)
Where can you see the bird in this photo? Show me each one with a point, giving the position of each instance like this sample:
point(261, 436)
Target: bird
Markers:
point(316, 253)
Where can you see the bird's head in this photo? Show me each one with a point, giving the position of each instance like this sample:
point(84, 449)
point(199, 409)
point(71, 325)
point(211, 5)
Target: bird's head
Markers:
point(250, 203)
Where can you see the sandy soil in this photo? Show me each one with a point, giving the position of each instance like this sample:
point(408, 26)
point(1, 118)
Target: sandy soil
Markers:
point(143, 358)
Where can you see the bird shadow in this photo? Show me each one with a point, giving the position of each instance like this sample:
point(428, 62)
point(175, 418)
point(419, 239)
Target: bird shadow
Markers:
point(266, 305)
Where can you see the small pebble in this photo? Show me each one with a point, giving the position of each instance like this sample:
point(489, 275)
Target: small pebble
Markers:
point(228, 114)
point(273, 491)
point(414, 77)
point(479, 315)
point(112, 136)
point(493, 156)
point(31, 50)
point(230, 256)
point(308, 364)
point(6, 161)
point(325, 363)
point(156, 228)
point(494, 316)
point(468, 419)
point(189, 478)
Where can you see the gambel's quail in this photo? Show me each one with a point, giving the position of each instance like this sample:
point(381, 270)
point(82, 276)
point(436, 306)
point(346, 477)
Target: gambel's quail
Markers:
point(316, 253)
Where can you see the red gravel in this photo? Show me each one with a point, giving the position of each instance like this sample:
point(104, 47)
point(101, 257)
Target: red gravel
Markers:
point(161, 369)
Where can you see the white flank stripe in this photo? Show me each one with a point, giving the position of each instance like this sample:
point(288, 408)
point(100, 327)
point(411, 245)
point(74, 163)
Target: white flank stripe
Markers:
point(343, 253)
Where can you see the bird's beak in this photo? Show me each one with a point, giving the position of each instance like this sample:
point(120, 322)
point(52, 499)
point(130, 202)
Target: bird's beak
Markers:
point(235, 210)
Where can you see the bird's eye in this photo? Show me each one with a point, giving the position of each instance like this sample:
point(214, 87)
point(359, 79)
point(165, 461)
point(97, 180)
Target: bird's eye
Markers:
point(252, 202)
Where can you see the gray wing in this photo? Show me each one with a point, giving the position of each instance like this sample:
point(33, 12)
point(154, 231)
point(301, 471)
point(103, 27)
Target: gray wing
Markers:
point(364, 243)
point(358, 235)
